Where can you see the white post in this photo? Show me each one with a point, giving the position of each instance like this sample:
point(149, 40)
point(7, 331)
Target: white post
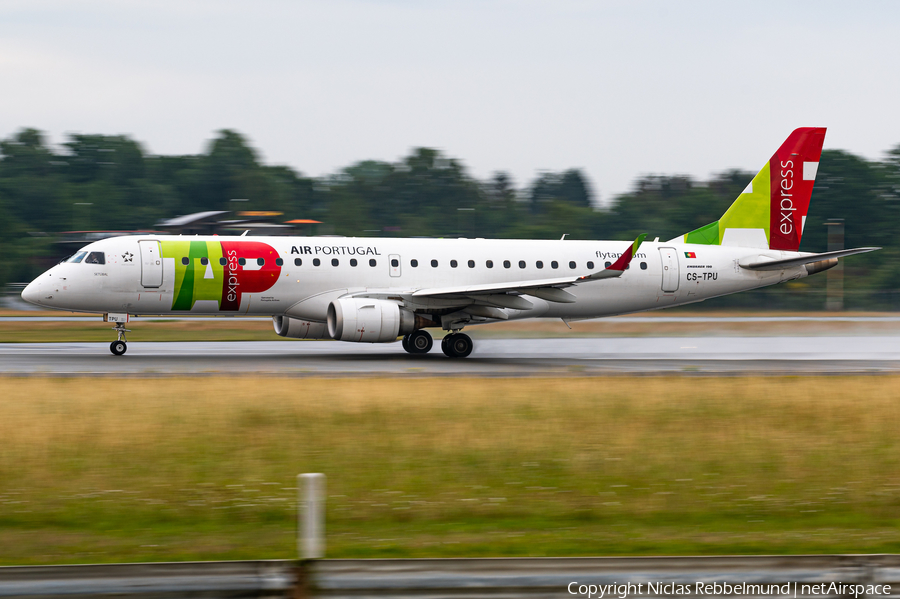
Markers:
point(311, 515)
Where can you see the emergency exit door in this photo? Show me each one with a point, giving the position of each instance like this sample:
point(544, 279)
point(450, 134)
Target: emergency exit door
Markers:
point(395, 264)
point(669, 269)
point(151, 264)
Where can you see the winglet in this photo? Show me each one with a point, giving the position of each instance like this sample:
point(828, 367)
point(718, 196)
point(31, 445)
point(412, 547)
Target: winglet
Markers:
point(618, 267)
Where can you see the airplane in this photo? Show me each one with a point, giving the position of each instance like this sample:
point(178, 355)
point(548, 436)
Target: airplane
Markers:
point(376, 290)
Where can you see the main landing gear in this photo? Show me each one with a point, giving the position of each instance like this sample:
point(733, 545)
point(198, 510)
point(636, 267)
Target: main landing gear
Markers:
point(457, 345)
point(418, 342)
point(454, 345)
point(120, 345)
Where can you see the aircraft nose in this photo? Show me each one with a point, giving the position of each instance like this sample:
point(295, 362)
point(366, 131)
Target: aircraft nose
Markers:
point(32, 292)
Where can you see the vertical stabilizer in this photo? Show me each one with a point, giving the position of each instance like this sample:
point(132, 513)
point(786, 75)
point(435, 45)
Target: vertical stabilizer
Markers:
point(771, 212)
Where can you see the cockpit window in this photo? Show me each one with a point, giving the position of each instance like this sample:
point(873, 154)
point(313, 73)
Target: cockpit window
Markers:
point(95, 258)
point(77, 257)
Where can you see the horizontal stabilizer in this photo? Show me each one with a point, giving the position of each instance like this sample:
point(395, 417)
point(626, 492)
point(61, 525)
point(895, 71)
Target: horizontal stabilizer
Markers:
point(766, 263)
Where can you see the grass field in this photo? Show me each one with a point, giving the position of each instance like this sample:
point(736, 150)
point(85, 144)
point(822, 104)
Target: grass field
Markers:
point(204, 468)
point(239, 329)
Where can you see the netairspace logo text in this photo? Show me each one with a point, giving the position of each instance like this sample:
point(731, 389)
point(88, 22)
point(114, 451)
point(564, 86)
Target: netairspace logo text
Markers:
point(790, 589)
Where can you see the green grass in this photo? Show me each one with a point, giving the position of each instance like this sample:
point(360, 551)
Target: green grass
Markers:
point(94, 329)
point(237, 329)
point(179, 468)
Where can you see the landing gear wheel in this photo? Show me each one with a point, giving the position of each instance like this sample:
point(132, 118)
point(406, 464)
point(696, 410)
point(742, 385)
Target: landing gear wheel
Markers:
point(457, 345)
point(405, 343)
point(419, 342)
point(119, 347)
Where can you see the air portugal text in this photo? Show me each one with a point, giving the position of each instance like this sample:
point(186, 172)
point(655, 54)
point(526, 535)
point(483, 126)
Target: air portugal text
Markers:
point(336, 250)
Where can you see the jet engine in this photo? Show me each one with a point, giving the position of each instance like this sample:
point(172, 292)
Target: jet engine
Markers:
point(366, 320)
point(300, 329)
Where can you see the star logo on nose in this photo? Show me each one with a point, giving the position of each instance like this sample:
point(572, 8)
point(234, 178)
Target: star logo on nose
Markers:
point(127, 256)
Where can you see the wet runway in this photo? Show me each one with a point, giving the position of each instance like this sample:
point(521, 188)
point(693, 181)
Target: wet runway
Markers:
point(492, 357)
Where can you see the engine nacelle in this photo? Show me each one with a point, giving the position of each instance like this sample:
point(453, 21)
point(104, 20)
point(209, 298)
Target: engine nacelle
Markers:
point(300, 329)
point(365, 320)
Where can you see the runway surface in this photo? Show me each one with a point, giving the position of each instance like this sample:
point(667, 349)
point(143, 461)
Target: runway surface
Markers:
point(69, 317)
point(492, 357)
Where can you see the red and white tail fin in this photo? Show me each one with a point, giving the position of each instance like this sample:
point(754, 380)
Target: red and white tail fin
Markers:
point(793, 173)
point(771, 212)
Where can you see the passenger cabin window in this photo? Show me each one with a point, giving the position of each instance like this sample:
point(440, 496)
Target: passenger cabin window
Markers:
point(506, 264)
point(607, 264)
point(204, 261)
point(335, 262)
point(434, 263)
point(453, 264)
point(353, 262)
point(316, 262)
point(554, 264)
point(242, 261)
point(414, 263)
point(489, 264)
point(590, 265)
point(572, 265)
point(187, 260)
point(279, 262)
point(223, 261)
point(261, 261)
point(643, 266)
point(471, 264)
point(298, 262)
point(539, 264)
point(373, 262)
point(395, 263)
point(77, 257)
point(521, 264)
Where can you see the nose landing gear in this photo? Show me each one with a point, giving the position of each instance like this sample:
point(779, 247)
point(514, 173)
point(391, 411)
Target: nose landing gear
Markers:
point(120, 345)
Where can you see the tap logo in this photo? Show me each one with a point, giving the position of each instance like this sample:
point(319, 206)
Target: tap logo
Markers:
point(220, 271)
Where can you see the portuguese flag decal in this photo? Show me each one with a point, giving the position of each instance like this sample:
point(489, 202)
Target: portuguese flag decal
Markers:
point(690, 254)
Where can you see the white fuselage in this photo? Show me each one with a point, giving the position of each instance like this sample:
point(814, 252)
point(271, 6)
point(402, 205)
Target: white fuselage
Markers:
point(300, 276)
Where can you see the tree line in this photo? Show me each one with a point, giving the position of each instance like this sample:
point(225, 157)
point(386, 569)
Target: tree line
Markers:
point(101, 182)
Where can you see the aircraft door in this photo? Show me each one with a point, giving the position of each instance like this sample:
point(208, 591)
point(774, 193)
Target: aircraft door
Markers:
point(395, 264)
point(151, 264)
point(669, 269)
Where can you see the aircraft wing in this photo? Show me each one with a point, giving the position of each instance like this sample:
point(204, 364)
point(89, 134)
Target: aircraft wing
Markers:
point(766, 263)
point(547, 289)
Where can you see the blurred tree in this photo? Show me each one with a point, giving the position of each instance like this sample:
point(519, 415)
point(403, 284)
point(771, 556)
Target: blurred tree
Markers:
point(570, 186)
point(114, 183)
point(117, 159)
point(229, 171)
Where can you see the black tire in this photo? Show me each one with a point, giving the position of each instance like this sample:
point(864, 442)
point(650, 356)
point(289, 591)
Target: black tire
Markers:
point(420, 342)
point(444, 344)
point(405, 343)
point(118, 348)
point(457, 345)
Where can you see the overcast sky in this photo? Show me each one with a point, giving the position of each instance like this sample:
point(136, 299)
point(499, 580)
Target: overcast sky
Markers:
point(618, 89)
